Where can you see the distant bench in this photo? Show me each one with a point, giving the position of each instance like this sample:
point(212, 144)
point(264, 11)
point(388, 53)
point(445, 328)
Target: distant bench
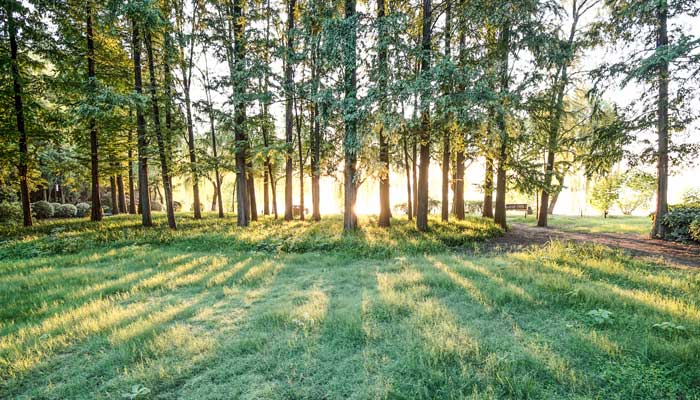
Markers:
point(519, 207)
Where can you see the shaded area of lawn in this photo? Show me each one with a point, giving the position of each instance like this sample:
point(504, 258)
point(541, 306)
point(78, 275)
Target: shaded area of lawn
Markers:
point(571, 223)
point(181, 321)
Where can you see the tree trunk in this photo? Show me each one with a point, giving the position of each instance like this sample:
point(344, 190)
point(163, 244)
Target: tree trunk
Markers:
point(142, 140)
point(407, 167)
point(288, 118)
point(186, 83)
point(301, 160)
point(459, 185)
point(162, 151)
point(349, 117)
point(130, 166)
point(96, 210)
point(659, 229)
point(446, 153)
point(555, 196)
point(414, 158)
point(210, 110)
point(214, 197)
point(22, 165)
point(243, 197)
point(113, 194)
point(251, 193)
point(121, 194)
point(384, 184)
point(424, 135)
point(501, 187)
point(316, 164)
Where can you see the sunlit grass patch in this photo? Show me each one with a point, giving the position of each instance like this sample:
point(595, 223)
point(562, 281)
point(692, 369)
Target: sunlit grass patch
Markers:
point(221, 312)
point(634, 225)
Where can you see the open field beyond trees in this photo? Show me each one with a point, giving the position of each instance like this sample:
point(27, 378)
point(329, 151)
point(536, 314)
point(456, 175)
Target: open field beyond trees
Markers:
point(280, 311)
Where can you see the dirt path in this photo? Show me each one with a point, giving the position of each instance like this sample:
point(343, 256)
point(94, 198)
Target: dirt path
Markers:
point(521, 236)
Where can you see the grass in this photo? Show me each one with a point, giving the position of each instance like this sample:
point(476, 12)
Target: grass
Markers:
point(597, 224)
point(154, 314)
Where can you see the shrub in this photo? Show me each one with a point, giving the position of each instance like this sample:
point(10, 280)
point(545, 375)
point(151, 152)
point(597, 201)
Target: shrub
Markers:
point(679, 220)
point(42, 209)
point(694, 229)
point(10, 213)
point(156, 206)
point(83, 209)
point(65, 211)
point(177, 206)
point(201, 206)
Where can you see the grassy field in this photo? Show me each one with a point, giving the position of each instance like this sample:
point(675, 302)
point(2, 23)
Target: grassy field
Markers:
point(302, 311)
point(596, 224)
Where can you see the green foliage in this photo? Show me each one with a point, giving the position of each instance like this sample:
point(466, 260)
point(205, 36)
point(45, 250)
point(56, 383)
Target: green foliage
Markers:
point(605, 193)
point(42, 209)
point(600, 317)
point(691, 196)
point(82, 209)
point(10, 213)
point(670, 328)
point(55, 207)
point(637, 190)
point(65, 211)
point(473, 206)
point(694, 229)
point(679, 222)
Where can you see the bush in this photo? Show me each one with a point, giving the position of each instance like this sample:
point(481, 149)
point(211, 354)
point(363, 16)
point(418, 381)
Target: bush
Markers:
point(201, 206)
point(10, 213)
point(679, 220)
point(42, 209)
point(83, 209)
point(156, 206)
point(694, 229)
point(65, 211)
point(177, 206)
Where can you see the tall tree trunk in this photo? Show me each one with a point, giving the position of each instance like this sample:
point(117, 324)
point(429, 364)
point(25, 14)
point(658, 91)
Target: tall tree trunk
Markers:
point(414, 158)
point(243, 197)
point(130, 166)
point(349, 117)
point(113, 194)
point(407, 167)
point(487, 211)
point(424, 136)
point(162, 151)
point(561, 81)
point(214, 197)
point(121, 194)
point(251, 193)
point(446, 152)
point(142, 140)
point(501, 187)
point(96, 210)
point(659, 229)
point(288, 117)
point(459, 184)
point(301, 160)
point(210, 110)
point(22, 165)
point(315, 139)
point(555, 196)
point(382, 58)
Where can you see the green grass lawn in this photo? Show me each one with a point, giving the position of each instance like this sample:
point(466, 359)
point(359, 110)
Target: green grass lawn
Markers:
point(301, 311)
point(596, 224)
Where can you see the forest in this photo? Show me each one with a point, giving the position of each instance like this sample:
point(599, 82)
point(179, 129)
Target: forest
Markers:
point(349, 199)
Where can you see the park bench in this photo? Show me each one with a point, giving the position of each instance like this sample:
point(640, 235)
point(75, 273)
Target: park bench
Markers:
point(519, 207)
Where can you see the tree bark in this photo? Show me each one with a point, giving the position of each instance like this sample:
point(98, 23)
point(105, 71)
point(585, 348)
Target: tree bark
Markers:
point(288, 127)
point(407, 167)
point(501, 187)
point(659, 229)
point(22, 165)
point(243, 197)
point(459, 185)
point(113, 194)
point(96, 210)
point(301, 159)
point(384, 184)
point(424, 134)
point(142, 140)
point(251, 193)
point(350, 140)
point(162, 151)
point(446, 152)
point(121, 195)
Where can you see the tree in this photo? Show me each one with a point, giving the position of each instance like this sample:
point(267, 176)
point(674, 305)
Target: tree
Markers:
point(288, 113)
point(605, 193)
point(350, 141)
point(424, 133)
point(637, 189)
